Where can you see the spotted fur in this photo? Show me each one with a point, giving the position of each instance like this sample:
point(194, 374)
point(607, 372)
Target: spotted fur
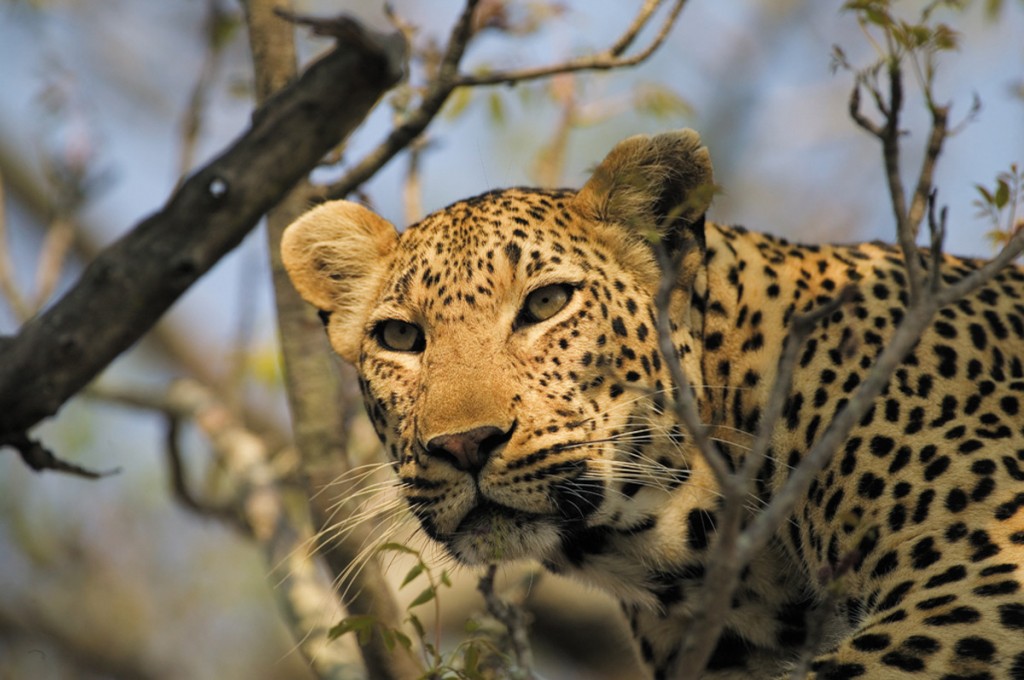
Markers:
point(521, 435)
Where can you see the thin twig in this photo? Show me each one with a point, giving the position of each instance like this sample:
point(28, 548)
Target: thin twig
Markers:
point(683, 396)
point(602, 61)
point(412, 187)
point(192, 120)
point(937, 229)
point(56, 245)
point(179, 482)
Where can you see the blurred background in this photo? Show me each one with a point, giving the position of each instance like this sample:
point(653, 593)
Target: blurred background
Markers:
point(104, 106)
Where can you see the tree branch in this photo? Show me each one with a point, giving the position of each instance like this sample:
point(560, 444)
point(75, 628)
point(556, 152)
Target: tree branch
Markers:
point(513, 617)
point(736, 546)
point(126, 289)
point(437, 94)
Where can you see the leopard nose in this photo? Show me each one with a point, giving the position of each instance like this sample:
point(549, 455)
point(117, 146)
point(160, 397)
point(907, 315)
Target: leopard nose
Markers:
point(469, 450)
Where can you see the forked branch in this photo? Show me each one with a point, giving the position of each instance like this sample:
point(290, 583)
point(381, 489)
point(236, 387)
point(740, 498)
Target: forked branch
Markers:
point(448, 80)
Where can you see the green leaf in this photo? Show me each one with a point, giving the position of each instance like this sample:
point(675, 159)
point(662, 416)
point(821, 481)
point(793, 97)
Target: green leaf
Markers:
point(350, 624)
point(945, 38)
point(397, 547)
point(660, 102)
point(985, 194)
point(458, 102)
point(1002, 196)
point(445, 579)
point(413, 573)
point(388, 636)
point(427, 595)
point(403, 639)
point(471, 658)
point(421, 632)
point(496, 106)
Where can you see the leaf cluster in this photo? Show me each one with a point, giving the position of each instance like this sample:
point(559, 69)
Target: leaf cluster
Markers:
point(896, 39)
point(1002, 205)
point(476, 658)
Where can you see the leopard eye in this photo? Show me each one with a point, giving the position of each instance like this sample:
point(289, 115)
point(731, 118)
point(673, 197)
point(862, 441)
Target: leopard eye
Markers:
point(545, 302)
point(400, 336)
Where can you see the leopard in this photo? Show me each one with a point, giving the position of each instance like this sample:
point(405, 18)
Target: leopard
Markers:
point(508, 354)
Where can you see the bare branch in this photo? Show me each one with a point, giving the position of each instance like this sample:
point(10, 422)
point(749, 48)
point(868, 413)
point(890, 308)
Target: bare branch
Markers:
point(858, 117)
point(179, 481)
point(258, 507)
point(412, 186)
point(938, 135)
point(512, 616)
point(937, 229)
point(725, 563)
point(633, 30)
point(448, 79)
point(978, 278)
point(56, 245)
point(417, 121)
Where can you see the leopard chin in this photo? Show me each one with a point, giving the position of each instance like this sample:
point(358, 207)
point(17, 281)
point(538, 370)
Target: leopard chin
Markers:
point(495, 533)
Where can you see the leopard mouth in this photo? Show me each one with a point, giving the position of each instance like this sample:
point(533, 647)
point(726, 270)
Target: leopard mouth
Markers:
point(494, 532)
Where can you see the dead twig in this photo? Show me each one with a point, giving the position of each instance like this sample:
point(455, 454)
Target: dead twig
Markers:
point(684, 398)
point(56, 243)
point(416, 122)
point(728, 558)
point(39, 458)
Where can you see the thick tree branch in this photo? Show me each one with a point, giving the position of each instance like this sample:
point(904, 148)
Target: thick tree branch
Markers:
point(313, 384)
point(126, 289)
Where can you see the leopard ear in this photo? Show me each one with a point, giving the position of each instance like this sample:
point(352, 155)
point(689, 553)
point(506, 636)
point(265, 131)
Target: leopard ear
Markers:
point(337, 255)
point(658, 187)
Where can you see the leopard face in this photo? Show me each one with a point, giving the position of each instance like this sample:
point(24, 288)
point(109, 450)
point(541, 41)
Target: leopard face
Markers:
point(510, 361)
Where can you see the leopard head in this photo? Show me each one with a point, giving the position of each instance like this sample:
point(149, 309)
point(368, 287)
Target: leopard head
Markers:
point(507, 347)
